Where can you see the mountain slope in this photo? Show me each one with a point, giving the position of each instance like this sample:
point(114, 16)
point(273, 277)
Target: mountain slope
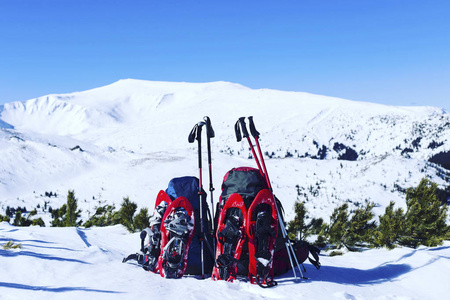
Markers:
point(132, 139)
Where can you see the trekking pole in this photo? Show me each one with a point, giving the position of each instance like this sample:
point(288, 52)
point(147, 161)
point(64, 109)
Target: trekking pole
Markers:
point(255, 134)
point(237, 131)
point(209, 135)
point(287, 241)
point(196, 134)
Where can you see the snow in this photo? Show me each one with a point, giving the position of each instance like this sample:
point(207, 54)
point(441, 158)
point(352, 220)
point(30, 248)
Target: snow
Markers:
point(130, 138)
point(78, 263)
point(264, 262)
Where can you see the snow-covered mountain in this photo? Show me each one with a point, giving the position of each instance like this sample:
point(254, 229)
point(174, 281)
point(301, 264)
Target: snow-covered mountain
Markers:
point(130, 138)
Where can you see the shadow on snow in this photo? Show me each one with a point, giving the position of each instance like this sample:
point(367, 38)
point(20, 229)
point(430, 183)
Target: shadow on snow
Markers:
point(353, 276)
point(83, 237)
point(21, 241)
point(53, 289)
point(40, 256)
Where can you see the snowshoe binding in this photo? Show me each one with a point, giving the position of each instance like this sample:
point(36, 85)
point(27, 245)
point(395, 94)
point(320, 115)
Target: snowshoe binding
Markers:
point(153, 233)
point(230, 238)
point(262, 231)
point(177, 231)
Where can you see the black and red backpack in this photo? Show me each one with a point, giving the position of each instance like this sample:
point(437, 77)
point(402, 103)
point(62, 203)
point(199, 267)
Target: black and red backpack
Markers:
point(244, 201)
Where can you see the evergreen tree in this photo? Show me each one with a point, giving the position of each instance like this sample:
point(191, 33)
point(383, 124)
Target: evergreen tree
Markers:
point(35, 222)
point(4, 218)
point(141, 220)
point(104, 216)
point(126, 213)
point(297, 228)
point(338, 227)
point(19, 220)
point(390, 228)
point(72, 212)
point(58, 216)
point(38, 222)
point(361, 227)
point(350, 231)
point(67, 214)
point(9, 212)
point(425, 222)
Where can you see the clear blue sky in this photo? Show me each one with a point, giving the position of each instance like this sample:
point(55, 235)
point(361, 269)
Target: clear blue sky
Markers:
point(385, 51)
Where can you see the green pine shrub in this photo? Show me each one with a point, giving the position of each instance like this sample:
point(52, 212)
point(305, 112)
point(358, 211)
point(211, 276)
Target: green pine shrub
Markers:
point(297, 229)
point(126, 214)
point(58, 216)
point(72, 213)
point(5, 218)
point(423, 223)
point(20, 220)
point(339, 224)
point(10, 245)
point(425, 217)
point(104, 216)
point(361, 227)
point(141, 220)
point(391, 227)
point(67, 215)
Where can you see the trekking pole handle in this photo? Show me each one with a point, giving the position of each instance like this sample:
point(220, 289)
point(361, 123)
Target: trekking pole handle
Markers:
point(192, 134)
point(253, 130)
point(196, 132)
point(237, 131)
point(243, 126)
point(199, 130)
point(209, 129)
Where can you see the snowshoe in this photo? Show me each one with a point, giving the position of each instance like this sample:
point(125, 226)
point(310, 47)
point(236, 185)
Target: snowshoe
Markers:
point(177, 230)
point(262, 231)
point(150, 250)
point(230, 238)
point(153, 233)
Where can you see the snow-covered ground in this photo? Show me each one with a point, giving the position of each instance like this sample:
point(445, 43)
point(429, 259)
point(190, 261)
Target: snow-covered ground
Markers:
point(77, 263)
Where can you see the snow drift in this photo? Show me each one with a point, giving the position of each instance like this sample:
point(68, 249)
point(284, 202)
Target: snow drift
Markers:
point(76, 263)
